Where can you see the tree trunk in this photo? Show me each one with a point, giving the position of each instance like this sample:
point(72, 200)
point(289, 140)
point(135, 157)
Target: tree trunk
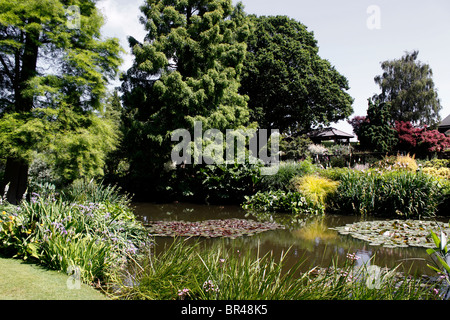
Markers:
point(16, 175)
point(16, 170)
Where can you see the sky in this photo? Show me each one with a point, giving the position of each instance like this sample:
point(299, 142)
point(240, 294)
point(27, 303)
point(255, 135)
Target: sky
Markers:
point(354, 35)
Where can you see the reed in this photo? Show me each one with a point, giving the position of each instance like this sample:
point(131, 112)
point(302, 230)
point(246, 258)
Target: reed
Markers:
point(189, 271)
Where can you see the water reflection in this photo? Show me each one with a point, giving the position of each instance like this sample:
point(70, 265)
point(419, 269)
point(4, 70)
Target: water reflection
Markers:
point(364, 258)
point(311, 240)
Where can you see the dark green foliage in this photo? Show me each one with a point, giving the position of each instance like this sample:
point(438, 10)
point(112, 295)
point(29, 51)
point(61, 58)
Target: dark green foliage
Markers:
point(289, 85)
point(286, 171)
point(282, 202)
point(295, 148)
point(377, 133)
point(187, 70)
point(215, 184)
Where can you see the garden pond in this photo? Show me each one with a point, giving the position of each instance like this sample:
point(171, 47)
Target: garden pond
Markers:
point(316, 241)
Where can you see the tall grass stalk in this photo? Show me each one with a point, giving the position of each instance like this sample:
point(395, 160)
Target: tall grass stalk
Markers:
point(189, 271)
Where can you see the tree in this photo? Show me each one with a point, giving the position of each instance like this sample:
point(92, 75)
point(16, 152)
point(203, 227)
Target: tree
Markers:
point(54, 68)
point(375, 132)
point(186, 70)
point(408, 86)
point(289, 85)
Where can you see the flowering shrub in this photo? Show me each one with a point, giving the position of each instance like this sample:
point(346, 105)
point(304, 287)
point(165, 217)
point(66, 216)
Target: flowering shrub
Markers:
point(420, 140)
point(93, 237)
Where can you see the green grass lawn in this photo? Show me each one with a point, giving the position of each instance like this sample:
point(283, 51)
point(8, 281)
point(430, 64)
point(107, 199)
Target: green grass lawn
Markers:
point(25, 281)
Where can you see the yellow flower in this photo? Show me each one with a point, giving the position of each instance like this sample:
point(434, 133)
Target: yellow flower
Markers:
point(4, 212)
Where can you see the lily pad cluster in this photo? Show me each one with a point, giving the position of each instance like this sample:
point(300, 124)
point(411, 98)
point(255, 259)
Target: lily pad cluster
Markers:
point(395, 233)
point(227, 228)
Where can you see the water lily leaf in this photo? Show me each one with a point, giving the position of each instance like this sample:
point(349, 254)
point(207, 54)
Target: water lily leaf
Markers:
point(230, 228)
point(395, 233)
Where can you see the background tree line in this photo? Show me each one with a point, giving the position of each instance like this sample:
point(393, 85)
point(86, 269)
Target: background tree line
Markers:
point(201, 60)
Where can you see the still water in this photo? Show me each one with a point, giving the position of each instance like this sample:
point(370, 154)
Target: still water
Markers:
point(313, 244)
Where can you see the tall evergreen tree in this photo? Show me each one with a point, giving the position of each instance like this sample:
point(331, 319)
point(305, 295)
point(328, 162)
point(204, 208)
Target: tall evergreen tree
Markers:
point(54, 68)
point(186, 70)
point(376, 133)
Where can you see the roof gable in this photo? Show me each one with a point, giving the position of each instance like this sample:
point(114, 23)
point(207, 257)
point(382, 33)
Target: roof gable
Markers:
point(445, 122)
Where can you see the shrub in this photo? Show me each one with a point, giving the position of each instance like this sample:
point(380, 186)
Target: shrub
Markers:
point(318, 149)
point(286, 171)
point(295, 148)
point(314, 187)
point(282, 201)
point(441, 172)
point(420, 140)
point(437, 163)
point(215, 184)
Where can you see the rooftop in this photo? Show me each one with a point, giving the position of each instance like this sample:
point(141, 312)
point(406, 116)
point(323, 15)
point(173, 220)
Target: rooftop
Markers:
point(445, 122)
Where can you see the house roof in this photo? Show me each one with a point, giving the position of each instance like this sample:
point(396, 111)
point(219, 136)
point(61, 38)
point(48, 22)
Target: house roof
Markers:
point(329, 133)
point(445, 122)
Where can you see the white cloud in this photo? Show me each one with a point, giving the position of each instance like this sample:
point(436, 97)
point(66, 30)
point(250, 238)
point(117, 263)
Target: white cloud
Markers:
point(122, 21)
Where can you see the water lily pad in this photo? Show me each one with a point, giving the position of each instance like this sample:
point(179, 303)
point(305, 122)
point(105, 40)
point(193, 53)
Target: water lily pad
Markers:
point(394, 233)
point(228, 228)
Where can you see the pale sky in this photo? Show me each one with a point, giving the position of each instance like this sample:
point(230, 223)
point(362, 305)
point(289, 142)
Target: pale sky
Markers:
point(354, 35)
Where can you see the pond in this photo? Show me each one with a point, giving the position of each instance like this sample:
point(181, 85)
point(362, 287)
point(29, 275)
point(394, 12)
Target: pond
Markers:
point(314, 243)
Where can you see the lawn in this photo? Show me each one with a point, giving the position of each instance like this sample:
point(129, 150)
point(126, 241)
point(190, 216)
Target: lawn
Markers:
point(24, 281)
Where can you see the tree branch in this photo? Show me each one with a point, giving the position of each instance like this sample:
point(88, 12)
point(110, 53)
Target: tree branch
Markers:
point(7, 71)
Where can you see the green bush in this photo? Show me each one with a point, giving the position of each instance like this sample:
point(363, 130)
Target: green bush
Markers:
point(391, 194)
point(287, 171)
point(282, 201)
point(215, 184)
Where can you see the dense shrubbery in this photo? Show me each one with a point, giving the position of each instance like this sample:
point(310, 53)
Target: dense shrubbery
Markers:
point(286, 172)
point(396, 193)
point(394, 187)
point(215, 184)
point(282, 201)
point(93, 237)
